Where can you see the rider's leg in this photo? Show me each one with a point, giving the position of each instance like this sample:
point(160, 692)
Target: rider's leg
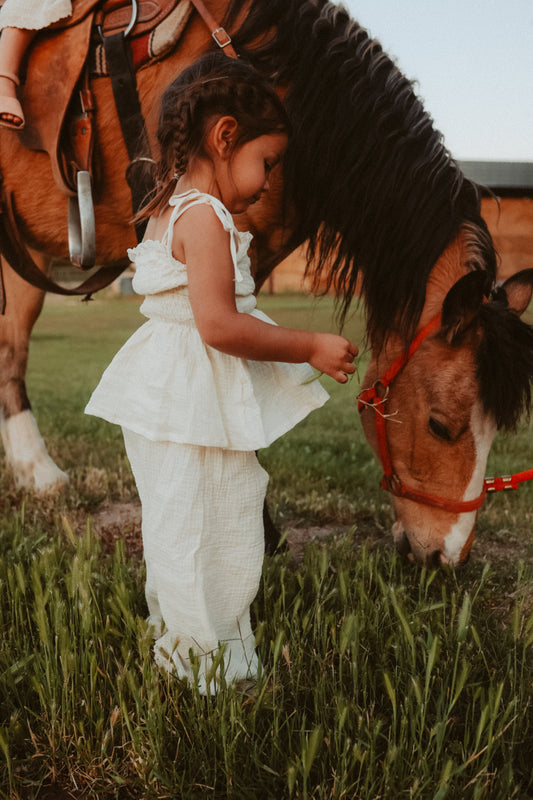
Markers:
point(13, 44)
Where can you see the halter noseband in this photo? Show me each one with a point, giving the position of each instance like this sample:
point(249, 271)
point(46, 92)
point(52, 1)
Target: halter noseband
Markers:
point(391, 481)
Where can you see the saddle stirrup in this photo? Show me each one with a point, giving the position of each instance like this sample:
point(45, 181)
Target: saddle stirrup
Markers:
point(81, 225)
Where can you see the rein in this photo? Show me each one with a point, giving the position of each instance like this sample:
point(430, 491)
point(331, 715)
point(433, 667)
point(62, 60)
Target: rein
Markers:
point(391, 481)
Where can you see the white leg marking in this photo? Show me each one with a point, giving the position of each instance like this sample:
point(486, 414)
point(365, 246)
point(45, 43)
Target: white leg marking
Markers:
point(484, 430)
point(27, 456)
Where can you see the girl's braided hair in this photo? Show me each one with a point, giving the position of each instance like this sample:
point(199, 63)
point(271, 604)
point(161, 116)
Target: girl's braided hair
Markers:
point(213, 86)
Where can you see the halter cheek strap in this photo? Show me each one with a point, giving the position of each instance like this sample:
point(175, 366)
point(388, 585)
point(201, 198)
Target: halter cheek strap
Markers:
point(391, 481)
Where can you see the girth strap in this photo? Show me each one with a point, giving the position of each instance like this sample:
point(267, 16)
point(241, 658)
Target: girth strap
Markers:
point(122, 74)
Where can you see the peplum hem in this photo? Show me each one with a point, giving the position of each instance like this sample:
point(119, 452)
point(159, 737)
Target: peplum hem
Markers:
point(186, 392)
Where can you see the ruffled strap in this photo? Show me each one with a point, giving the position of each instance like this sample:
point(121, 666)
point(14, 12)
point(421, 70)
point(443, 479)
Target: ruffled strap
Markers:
point(193, 197)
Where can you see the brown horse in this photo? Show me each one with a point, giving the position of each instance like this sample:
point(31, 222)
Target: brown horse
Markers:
point(369, 185)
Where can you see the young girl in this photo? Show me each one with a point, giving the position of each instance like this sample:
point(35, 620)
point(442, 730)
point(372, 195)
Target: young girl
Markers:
point(19, 21)
point(197, 389)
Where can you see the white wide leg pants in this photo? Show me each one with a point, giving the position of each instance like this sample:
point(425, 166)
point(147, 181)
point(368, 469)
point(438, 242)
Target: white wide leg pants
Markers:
point(203, 539)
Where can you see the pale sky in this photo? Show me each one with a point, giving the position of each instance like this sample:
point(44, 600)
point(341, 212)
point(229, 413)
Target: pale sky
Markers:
point(473, 64)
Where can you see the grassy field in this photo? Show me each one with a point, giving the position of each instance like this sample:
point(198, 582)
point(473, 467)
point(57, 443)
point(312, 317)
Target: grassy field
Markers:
point(380, 680)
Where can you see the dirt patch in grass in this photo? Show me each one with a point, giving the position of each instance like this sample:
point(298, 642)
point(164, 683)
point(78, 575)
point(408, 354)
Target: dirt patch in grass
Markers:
point(122, 520)
point(115, 521)
point(364, 532)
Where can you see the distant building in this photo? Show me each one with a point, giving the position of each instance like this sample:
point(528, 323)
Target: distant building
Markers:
point(511, 220)
point(505, 178)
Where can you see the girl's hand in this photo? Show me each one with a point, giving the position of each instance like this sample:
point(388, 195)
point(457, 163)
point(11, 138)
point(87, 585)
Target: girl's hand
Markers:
point(334, 355)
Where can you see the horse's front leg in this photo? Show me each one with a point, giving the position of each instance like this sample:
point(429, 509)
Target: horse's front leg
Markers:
point(24, 447)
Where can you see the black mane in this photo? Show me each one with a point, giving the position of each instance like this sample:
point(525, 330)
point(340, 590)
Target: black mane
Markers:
point(375, 191)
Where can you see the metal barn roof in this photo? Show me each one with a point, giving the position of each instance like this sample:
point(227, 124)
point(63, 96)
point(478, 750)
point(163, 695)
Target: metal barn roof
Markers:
point(512, 176)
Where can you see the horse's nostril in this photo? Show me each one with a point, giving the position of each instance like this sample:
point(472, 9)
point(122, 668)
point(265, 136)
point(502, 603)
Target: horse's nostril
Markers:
point(434, 560)
point(403, 545)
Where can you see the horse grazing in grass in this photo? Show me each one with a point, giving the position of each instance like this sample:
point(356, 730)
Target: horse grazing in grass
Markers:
point(384, 209)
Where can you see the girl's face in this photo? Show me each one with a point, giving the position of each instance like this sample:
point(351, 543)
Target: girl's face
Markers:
point(244, 176)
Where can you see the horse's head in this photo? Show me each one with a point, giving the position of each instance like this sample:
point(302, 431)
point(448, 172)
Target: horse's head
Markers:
point(434, 409)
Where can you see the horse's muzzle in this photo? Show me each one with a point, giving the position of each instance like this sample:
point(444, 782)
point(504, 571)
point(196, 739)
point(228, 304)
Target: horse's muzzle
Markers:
point(433, 559)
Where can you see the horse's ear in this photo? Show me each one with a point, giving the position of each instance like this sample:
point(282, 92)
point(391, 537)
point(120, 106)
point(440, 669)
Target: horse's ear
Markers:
point(462, 304)
point(518, 290)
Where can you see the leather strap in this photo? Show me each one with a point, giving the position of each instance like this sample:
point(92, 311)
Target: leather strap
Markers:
point(221, 37)
point(78, 146)
point(15, 252)
point(120, 67)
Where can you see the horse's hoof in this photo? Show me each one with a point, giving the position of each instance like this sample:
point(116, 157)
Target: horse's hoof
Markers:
point(27, 457)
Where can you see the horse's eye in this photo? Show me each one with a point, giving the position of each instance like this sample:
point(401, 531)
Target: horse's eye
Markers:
point(439, 429)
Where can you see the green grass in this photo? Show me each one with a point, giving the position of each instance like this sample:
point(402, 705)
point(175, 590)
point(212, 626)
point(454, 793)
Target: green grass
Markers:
point(379, 680)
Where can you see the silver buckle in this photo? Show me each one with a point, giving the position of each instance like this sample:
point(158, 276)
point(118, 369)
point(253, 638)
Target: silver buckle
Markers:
point(221, 37)
point(81, 225)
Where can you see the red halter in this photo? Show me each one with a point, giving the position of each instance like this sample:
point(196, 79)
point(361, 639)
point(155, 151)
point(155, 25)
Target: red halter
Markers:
point(390, 481)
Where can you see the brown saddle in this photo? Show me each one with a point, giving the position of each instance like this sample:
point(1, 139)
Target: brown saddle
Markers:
point(58, 66)
point(128, 33)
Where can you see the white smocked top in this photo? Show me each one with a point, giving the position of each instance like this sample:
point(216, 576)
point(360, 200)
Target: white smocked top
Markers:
point(168, 385)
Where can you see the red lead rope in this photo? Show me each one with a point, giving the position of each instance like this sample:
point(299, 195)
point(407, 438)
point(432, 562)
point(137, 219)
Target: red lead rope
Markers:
point(390, 481)
point(506, 482)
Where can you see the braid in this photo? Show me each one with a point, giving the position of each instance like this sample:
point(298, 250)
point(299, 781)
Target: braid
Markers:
point(181, 124)
point(212, 86)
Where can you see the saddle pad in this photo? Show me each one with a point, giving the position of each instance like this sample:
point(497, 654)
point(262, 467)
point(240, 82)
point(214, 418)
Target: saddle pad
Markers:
point(152, 46)
point(117, 12)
